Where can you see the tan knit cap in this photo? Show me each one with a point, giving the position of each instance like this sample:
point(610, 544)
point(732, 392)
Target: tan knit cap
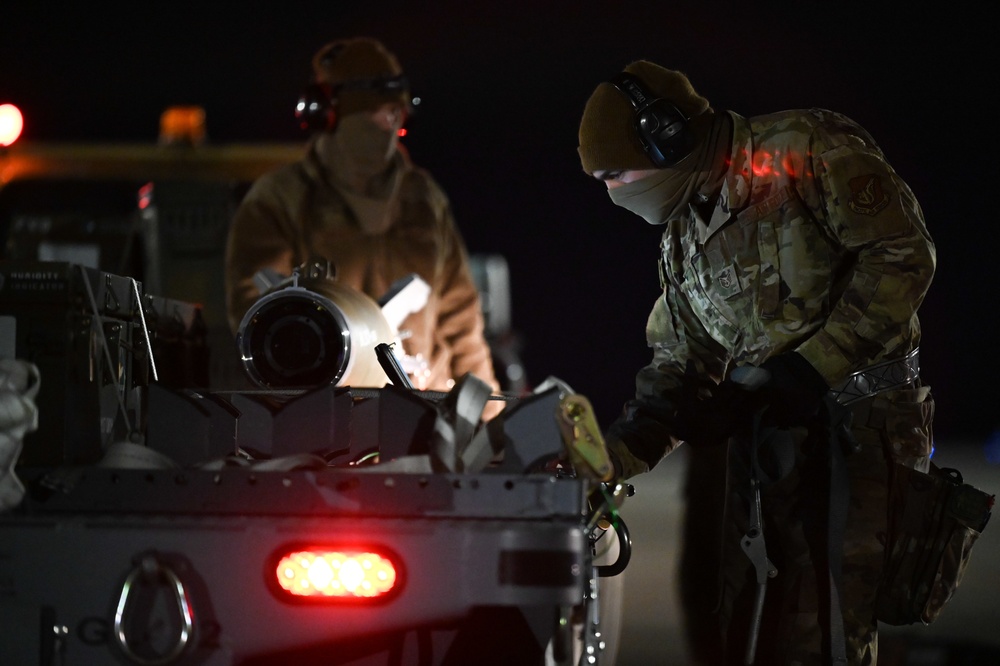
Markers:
point(358, 59)
point(608, 137)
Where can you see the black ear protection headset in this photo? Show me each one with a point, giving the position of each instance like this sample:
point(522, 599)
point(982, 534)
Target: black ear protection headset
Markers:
point(316, 109)
point(662, 127)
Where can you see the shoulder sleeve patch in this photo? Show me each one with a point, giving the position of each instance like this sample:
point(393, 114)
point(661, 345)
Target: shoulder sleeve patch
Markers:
point(862, 195)
point(867, 196)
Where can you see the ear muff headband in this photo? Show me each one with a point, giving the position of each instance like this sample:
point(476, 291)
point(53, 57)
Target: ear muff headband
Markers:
point(661, 126)
point(316, 109)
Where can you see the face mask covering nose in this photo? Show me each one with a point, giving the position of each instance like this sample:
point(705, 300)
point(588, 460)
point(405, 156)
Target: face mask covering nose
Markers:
point(666, 194)
point(368, 146)
point(657, 197)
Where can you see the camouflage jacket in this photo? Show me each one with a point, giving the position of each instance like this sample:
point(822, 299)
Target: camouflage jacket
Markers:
point(815, 245)
point(293, 215)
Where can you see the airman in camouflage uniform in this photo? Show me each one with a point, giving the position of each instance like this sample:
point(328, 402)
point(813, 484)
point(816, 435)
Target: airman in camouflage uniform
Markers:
point(790, 245)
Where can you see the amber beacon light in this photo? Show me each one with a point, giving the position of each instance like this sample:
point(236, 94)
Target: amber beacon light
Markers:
point(323, 573)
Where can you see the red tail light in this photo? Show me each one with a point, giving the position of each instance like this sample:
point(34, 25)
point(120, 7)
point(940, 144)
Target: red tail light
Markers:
point(336, 573)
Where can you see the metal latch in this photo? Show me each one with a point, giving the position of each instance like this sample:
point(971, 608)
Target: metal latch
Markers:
point(582, 436)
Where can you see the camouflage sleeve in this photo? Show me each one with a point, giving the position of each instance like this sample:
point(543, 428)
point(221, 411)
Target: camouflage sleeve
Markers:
point(642, 436)
point(875, 216)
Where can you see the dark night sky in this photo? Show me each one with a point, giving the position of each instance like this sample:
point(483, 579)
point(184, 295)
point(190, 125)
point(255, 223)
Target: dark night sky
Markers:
point(503, 86)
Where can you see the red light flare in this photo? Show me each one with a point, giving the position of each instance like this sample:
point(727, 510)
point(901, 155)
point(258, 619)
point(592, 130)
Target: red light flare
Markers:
point(764, 164)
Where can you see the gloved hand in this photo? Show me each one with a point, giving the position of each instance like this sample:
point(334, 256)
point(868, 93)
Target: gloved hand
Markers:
point(710, 413)
point(710, 421)
point(786, 386)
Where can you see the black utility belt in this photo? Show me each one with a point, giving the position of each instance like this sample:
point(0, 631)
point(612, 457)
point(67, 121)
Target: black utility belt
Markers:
point(885, 376)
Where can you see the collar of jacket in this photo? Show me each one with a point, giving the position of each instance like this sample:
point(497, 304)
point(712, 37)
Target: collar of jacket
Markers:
point(739, 181)
point(736, 190)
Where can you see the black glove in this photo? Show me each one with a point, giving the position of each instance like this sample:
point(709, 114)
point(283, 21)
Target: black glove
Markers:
point(708, 413)
point(786, 387)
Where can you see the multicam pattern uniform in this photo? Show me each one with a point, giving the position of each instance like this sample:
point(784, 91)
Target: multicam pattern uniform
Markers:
point(815, 245)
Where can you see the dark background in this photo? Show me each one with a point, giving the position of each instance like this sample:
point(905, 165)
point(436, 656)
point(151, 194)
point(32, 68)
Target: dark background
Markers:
point(503, 86)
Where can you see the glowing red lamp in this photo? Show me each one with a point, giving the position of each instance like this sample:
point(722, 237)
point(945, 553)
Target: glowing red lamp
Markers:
point(336, 573)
